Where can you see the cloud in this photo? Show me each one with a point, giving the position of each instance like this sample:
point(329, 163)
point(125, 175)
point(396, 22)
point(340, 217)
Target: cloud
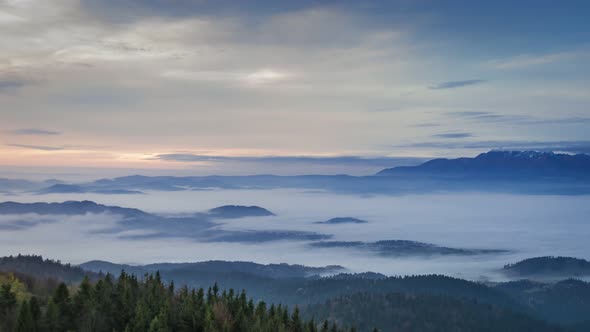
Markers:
point(530, 60)
point(131, 10)
point(486, 116)
point(566, 120)
point(257, 77)
point(426, 125)
point(11, 84)
point(455, 84)
point(265, 76)
point(286, 165)
point(37, 147)
point(339, 160)
point(516, 119)
point(64, 147)
point(453, 135)
point(34, 131)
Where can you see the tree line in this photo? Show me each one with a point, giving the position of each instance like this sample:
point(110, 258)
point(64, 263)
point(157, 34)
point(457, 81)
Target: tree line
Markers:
point(129, 304)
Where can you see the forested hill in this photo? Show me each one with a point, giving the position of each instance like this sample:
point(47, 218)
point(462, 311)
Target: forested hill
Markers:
point(128, 304)
point(410, 298)
point(44, 268)
point(549, 267)
point(176, 271)
point(407, 313)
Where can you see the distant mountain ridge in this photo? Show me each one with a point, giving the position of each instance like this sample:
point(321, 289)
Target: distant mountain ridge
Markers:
point(60, 188)
point(493, 171)
point(499, 162)
point(68, 208)
point(273, 271)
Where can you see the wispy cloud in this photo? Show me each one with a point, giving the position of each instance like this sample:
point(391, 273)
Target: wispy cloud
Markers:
point(34, 131)
point(455, 84)
point(485, 116)
point(37, 147)
point(340, 160)
point(453, 135)
point(530, 60)
point(516, 119)
point(11, 84)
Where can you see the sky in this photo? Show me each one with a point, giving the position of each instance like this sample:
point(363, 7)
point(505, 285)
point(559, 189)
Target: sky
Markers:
point(199, 86)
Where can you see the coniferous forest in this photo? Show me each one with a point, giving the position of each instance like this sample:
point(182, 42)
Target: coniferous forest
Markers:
point(129, 304)
point(35, 296)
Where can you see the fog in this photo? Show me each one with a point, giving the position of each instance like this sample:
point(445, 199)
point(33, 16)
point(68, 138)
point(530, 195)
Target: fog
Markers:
point(527, 225)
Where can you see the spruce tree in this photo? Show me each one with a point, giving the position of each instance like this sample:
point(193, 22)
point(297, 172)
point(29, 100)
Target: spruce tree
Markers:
point(296, 325)
point(24, 322)
point(61, 298)
point(50, 322)
point(7, 307)
point(160, 322)
point(35, 312)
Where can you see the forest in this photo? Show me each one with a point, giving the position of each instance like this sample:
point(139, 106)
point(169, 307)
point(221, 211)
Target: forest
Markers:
point(129, 304)
point(45, 295)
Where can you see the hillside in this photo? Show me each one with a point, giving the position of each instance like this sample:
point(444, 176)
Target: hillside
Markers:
point(566, 302)
point(239, 211)
point(404, 312)
point(549, 267)
point(68, 208)
point(274, 271)
point(342, 220)
point(44, 268)
point(126, 304)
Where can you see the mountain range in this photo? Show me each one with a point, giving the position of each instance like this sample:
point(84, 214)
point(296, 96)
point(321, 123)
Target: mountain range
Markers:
point(494, 171)
point(274, 271)
point(502, 163)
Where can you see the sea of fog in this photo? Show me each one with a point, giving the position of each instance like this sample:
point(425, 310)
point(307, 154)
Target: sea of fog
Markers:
point(527, 225)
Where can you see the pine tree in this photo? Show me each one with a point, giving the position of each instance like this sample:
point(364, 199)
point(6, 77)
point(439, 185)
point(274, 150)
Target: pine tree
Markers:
point(7, 307)
point(296, 324)
point(143, 318)
point(311, 326)
point(50, 322)
point(334, 328)
point(61, 298)
point(215, 290)
point(35, 312)
point(160, 322)
point(24, 322)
